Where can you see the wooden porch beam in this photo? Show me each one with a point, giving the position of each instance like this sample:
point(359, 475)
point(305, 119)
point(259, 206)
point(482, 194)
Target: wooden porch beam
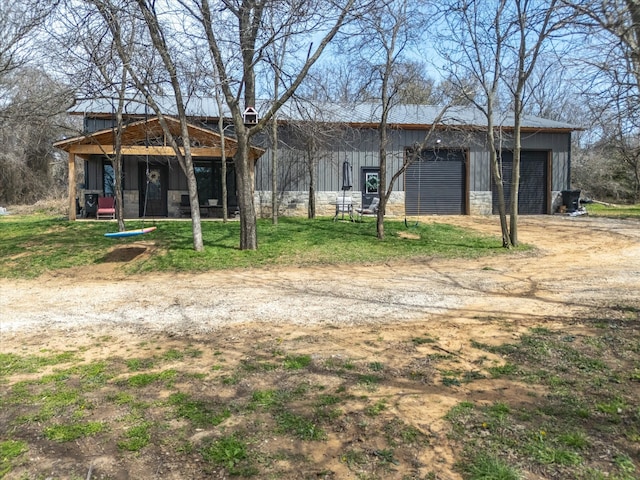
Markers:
point(72, 187)
point(142, 151)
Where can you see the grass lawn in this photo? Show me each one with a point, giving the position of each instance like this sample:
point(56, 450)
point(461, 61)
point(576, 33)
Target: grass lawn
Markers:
point(625, 211)
point(33, 244)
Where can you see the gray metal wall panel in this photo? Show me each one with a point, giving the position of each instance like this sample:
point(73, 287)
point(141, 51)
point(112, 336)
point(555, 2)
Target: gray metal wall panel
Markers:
point(361, 149)
point(479, 170)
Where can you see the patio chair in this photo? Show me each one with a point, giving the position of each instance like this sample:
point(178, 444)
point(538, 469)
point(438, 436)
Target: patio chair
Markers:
point(372, 209)
point(344, 205)
point(106, 208)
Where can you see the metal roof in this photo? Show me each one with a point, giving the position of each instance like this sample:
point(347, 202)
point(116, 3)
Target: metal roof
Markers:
point(354, 114)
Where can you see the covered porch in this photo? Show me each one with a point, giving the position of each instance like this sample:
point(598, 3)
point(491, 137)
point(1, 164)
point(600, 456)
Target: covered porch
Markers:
point(153, 182)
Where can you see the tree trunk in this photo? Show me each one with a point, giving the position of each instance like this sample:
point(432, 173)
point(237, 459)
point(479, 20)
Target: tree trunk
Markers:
point(117, 166)
point(515, 174)
point(496, 168)
point(274, 171)
point(311, 165)
point(382, 182)
point(245, 173)
point(196, 228)
point(223, 160)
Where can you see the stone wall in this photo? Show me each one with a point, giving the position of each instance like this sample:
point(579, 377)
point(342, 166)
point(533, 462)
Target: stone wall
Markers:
point(296, 204)
point(480, 203)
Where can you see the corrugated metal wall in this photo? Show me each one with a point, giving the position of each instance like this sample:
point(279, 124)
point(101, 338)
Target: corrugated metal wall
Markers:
point(361, 149)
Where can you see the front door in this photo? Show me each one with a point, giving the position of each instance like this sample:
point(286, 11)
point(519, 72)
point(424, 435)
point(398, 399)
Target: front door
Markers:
point(153, 190)
point(369, 184)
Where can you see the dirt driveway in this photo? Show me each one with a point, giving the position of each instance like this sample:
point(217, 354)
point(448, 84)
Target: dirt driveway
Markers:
point(578, 264)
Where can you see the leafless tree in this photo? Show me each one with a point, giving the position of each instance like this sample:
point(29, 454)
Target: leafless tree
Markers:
point(382, 42)
point(114, 15)
point(20, 21)
point(612, 66)
point(31, 119)
point(31, 104)
point(498, 47)
point(478, 34)
point(315, 139)
point(535, 24)
point(237, 56)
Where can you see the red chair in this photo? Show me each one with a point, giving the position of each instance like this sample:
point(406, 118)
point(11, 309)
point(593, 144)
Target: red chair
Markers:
point(106, 208)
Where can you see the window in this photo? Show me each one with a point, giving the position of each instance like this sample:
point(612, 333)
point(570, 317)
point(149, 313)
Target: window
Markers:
point(108, 179)
point(204, 178)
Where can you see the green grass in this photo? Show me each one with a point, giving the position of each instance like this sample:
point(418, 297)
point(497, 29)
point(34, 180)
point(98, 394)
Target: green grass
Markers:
point(625, 211)
point(590, 401)
point(73, 431)
point(198, 412)
point(569, 410)
point(299, 426)
point(296, 362)
point(11, 363)
point(229, 452)
point(487, 467)
point(31, 245)
point(9, 451)
point(136, 438)
point(145, 379)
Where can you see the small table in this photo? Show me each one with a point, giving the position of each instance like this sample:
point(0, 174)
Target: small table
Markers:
point(212, 211)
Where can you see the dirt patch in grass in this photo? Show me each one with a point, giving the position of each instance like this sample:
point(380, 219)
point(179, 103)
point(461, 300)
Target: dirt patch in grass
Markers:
point(401, 370)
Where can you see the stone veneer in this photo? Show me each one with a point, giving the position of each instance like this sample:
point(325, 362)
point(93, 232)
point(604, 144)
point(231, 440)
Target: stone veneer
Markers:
point(296, 204)
point(480, 203)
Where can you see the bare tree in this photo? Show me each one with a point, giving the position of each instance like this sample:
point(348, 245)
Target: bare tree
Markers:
point(535, 23)
point(383, 40)
point(31, 104)
point(32, 118)
point(479, 34)
point(298, 17)
point(113, 15)
point(498, 49)
point(613, 68)
point(20, 20)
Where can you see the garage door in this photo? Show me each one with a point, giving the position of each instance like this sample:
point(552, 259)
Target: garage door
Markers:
point(532, 193)
point(436, 184)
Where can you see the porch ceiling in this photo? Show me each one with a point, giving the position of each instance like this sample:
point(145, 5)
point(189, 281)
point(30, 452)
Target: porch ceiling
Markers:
point(146, 137)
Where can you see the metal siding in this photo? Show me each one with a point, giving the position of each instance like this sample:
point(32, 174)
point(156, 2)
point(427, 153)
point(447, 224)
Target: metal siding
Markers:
point(436, 184)
point(532, 190)
point(360, 148)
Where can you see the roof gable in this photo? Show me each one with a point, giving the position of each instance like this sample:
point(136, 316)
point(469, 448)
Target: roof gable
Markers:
point(149, 135)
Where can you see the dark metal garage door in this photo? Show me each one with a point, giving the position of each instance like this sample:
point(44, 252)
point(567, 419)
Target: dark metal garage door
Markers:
point(532, 193)
point(436, 184)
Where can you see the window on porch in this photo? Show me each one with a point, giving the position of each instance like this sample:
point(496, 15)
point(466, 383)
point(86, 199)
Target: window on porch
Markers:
point(205, 178)
point(108, 179)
